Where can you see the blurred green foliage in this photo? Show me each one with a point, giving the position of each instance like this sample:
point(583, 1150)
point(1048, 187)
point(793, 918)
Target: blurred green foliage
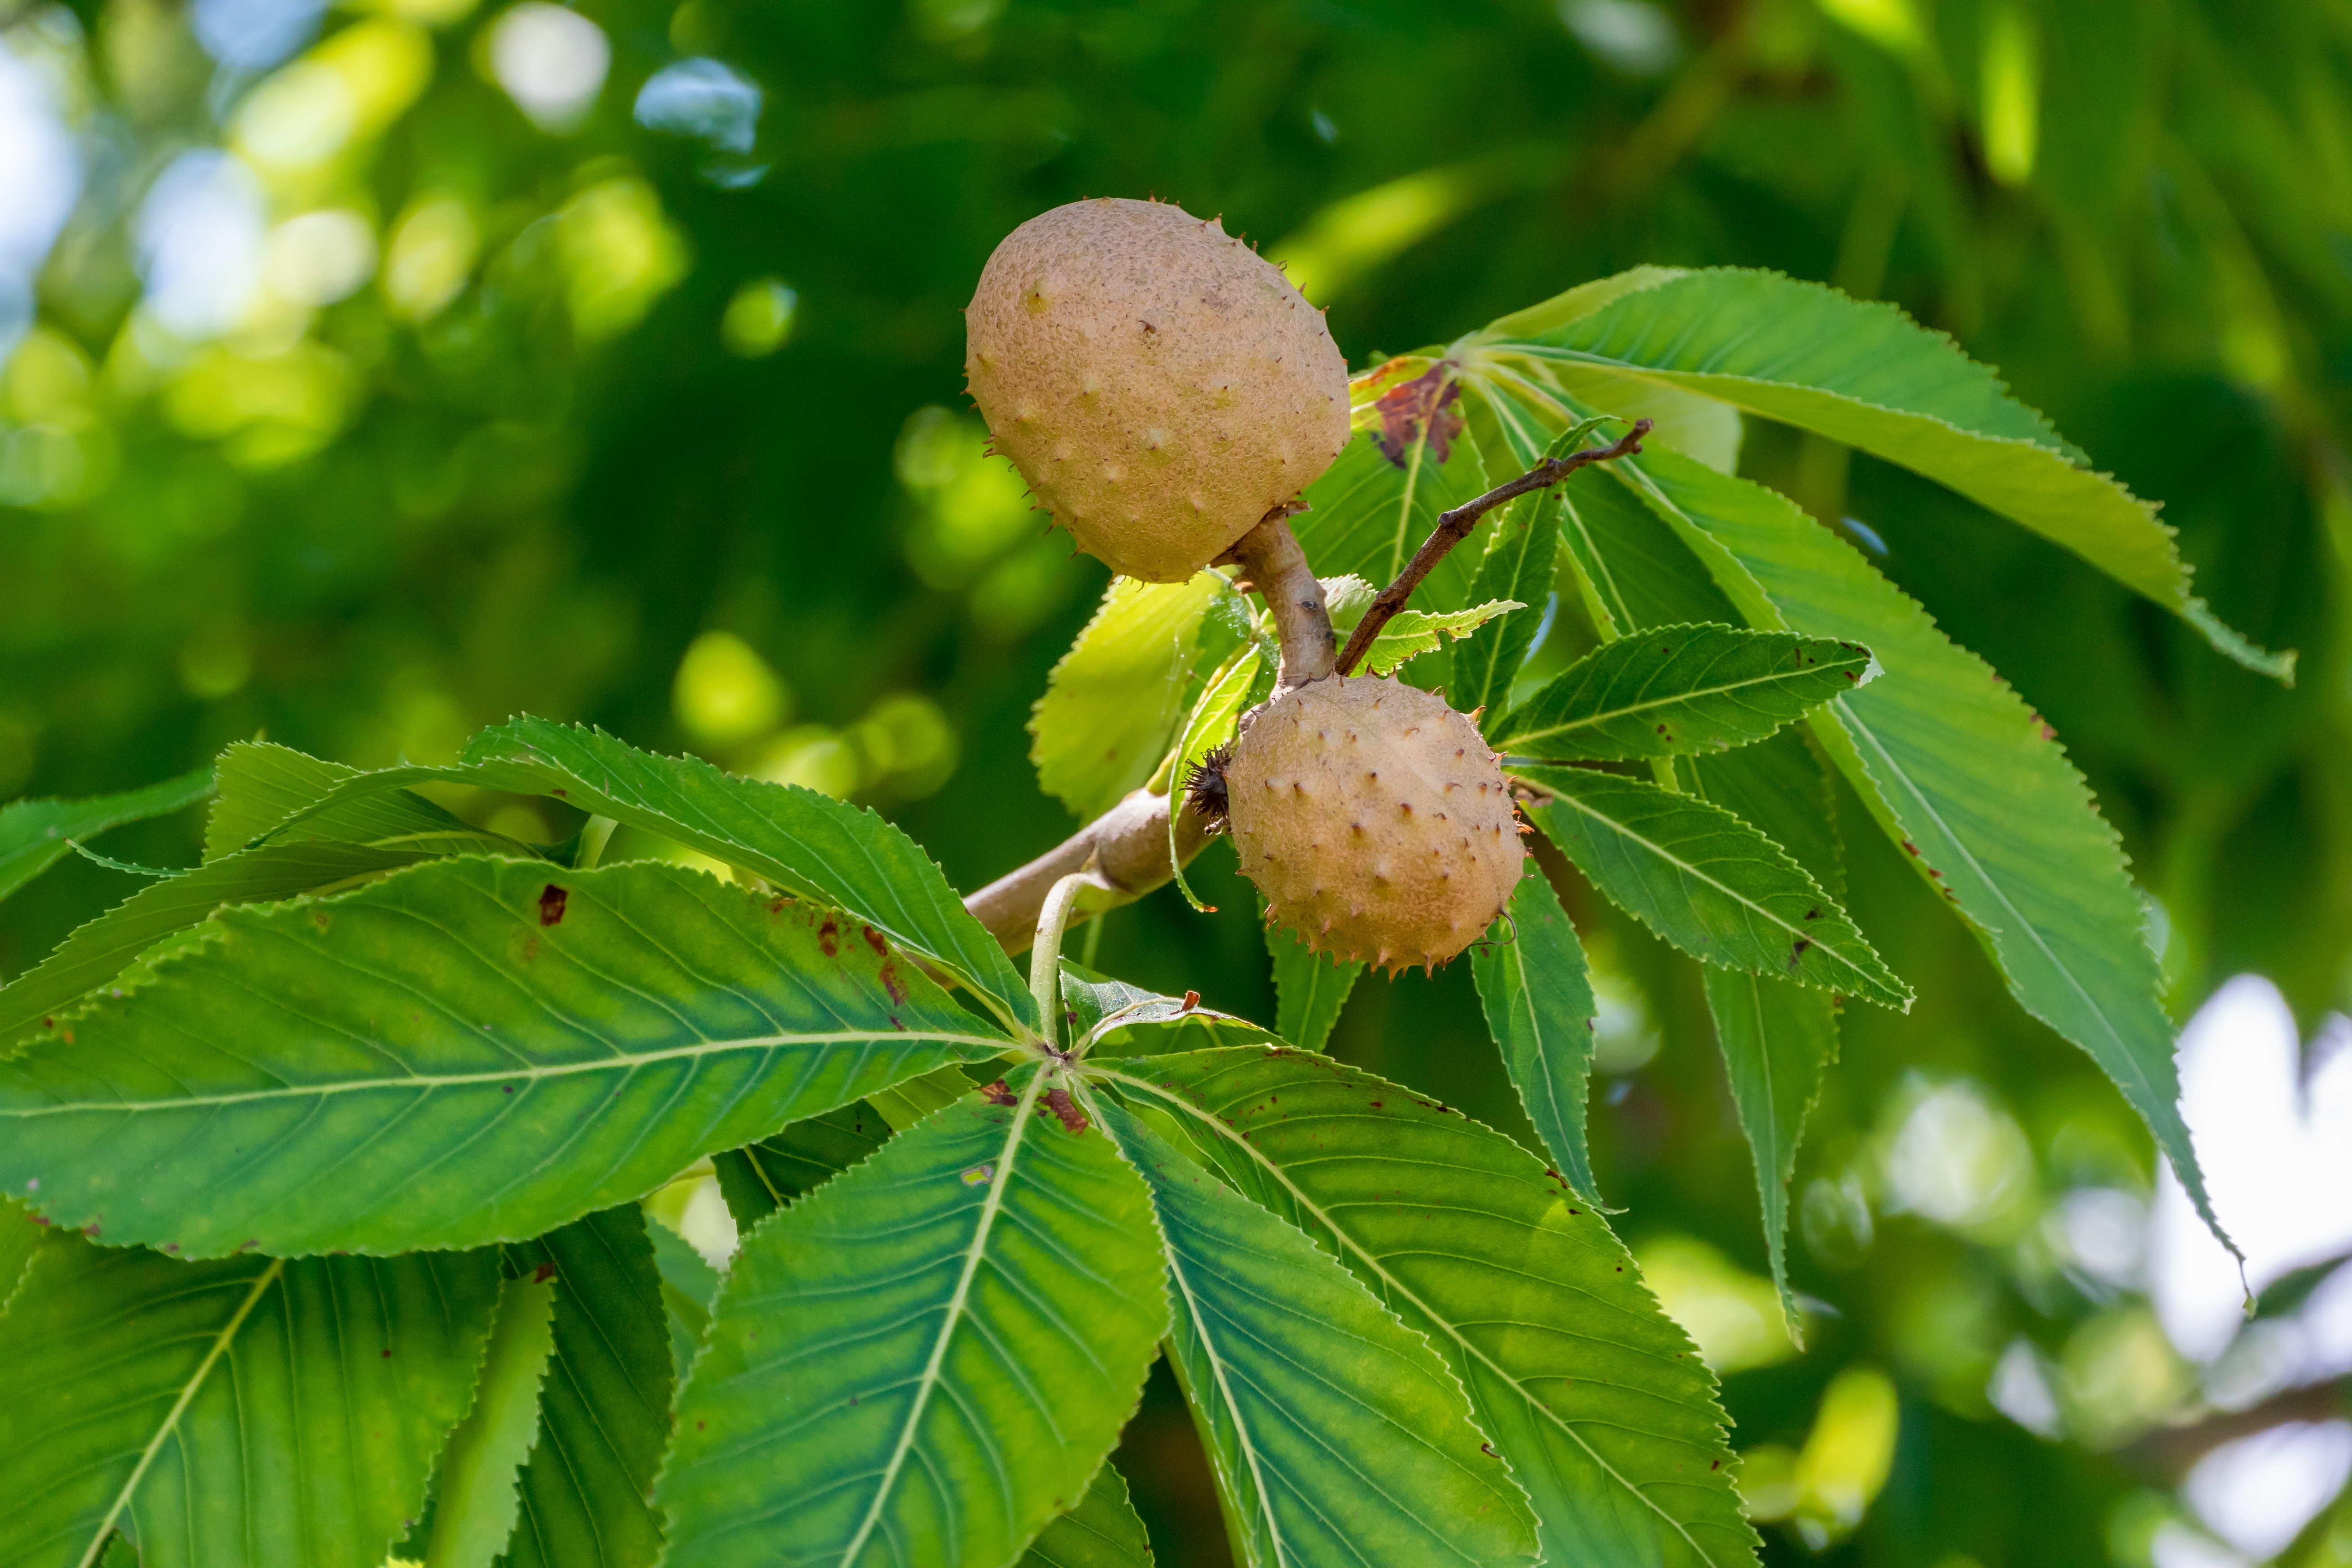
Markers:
point(642, 405)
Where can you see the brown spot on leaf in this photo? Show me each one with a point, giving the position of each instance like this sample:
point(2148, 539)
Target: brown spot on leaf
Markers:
point(1421, 409)
point(997, 1094)
point(890, 981)
point(828, 937)
point(551, 905)
point(1059, 1102)
point(543, 1274)
point(874, 939)
point(1797, 952)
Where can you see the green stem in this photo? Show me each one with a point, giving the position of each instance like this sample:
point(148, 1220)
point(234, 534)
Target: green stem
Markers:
point(1045, 952)
point(595, 835)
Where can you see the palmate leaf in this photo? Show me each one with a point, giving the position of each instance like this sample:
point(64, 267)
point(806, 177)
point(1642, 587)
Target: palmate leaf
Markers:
point(98, 950)
point(1537, 997)
point(249, 1410)
point(1337, 1436)
point(1709, 882)
point(604, 1416)
point(35, 835)
point(1777, 1041)
point(1673, 691)
point(1112, 702)
point(1964, 777)
point(261, 785)
point(809, 845)
point(474, 1486)
point(468, 1050)
point(1596, 1399)
point(1866, 374)
point(1777, 1038)
point(925, 1360)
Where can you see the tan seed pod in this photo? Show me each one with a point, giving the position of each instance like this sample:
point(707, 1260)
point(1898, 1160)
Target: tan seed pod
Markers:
point(1159, 385)
point(1375, 820)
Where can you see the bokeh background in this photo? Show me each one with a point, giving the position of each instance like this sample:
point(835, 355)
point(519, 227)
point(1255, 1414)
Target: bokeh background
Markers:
point(369, 373)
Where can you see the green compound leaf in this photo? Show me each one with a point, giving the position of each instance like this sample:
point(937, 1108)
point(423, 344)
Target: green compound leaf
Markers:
point(1597, 1400)
point(1102, 1532)
point(1709, 882)
point(809, 845)
point(1537, 997)
point(1373, 506)
point(100, 949)
point(1411, 632)
point(1309, 987)
point(1518, 566)
point(1338, 1438)
point(35, 835)
point(1961, 773)
point(925, 1360)
point(1672, 690)
point(249, 1410)
point(1778, 1042)
point(473, 1487)
point(262, 785)
point(604, 1417)
point(467, 1051)
point(1867, 375)
point(1113, 700)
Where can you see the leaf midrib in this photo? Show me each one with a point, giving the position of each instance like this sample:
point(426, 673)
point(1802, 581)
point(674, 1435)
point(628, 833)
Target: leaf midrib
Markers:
point(170, 1422)
point(1671, 699)
point(626, 1062)
point(1233, 1137)
point(1869, 981)
point(975, 1251)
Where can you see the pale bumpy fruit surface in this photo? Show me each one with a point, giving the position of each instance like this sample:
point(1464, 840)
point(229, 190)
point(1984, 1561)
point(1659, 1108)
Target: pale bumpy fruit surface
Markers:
point(1375, 821)
point(1159, 385)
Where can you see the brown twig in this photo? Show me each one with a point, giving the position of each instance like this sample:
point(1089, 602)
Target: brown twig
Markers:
point(1126, 846)
point(1276, 566)
point(1455, 526)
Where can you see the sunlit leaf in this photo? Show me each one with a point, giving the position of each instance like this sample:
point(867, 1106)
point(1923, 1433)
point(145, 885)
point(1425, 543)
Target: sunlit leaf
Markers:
point(1708, 882)
point(1336, 1437)
point(474, 1485)
point(1411, 633)
point(1866, 374)
point(261, 786)
point(1671, 691)
point(1596, 1399)
point(807, 844)
point(926, 1359)
point(35, 835)
point(467, 1051)
point(1112, 703)
point(98, 950)
point(1967, 779)
point(1537, 997)
point(249, 1410)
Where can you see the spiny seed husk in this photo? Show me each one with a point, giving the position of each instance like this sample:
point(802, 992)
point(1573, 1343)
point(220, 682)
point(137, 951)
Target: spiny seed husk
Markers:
point(1375, 821)
point(1159, 385)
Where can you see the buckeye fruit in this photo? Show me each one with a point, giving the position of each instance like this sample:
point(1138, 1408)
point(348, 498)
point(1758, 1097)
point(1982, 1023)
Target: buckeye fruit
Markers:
point(1374, 819)
point(1159, 385)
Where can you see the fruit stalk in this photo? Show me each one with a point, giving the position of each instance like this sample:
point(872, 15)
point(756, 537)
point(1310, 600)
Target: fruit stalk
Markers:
point(1126, 848)
point(1455, 526)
